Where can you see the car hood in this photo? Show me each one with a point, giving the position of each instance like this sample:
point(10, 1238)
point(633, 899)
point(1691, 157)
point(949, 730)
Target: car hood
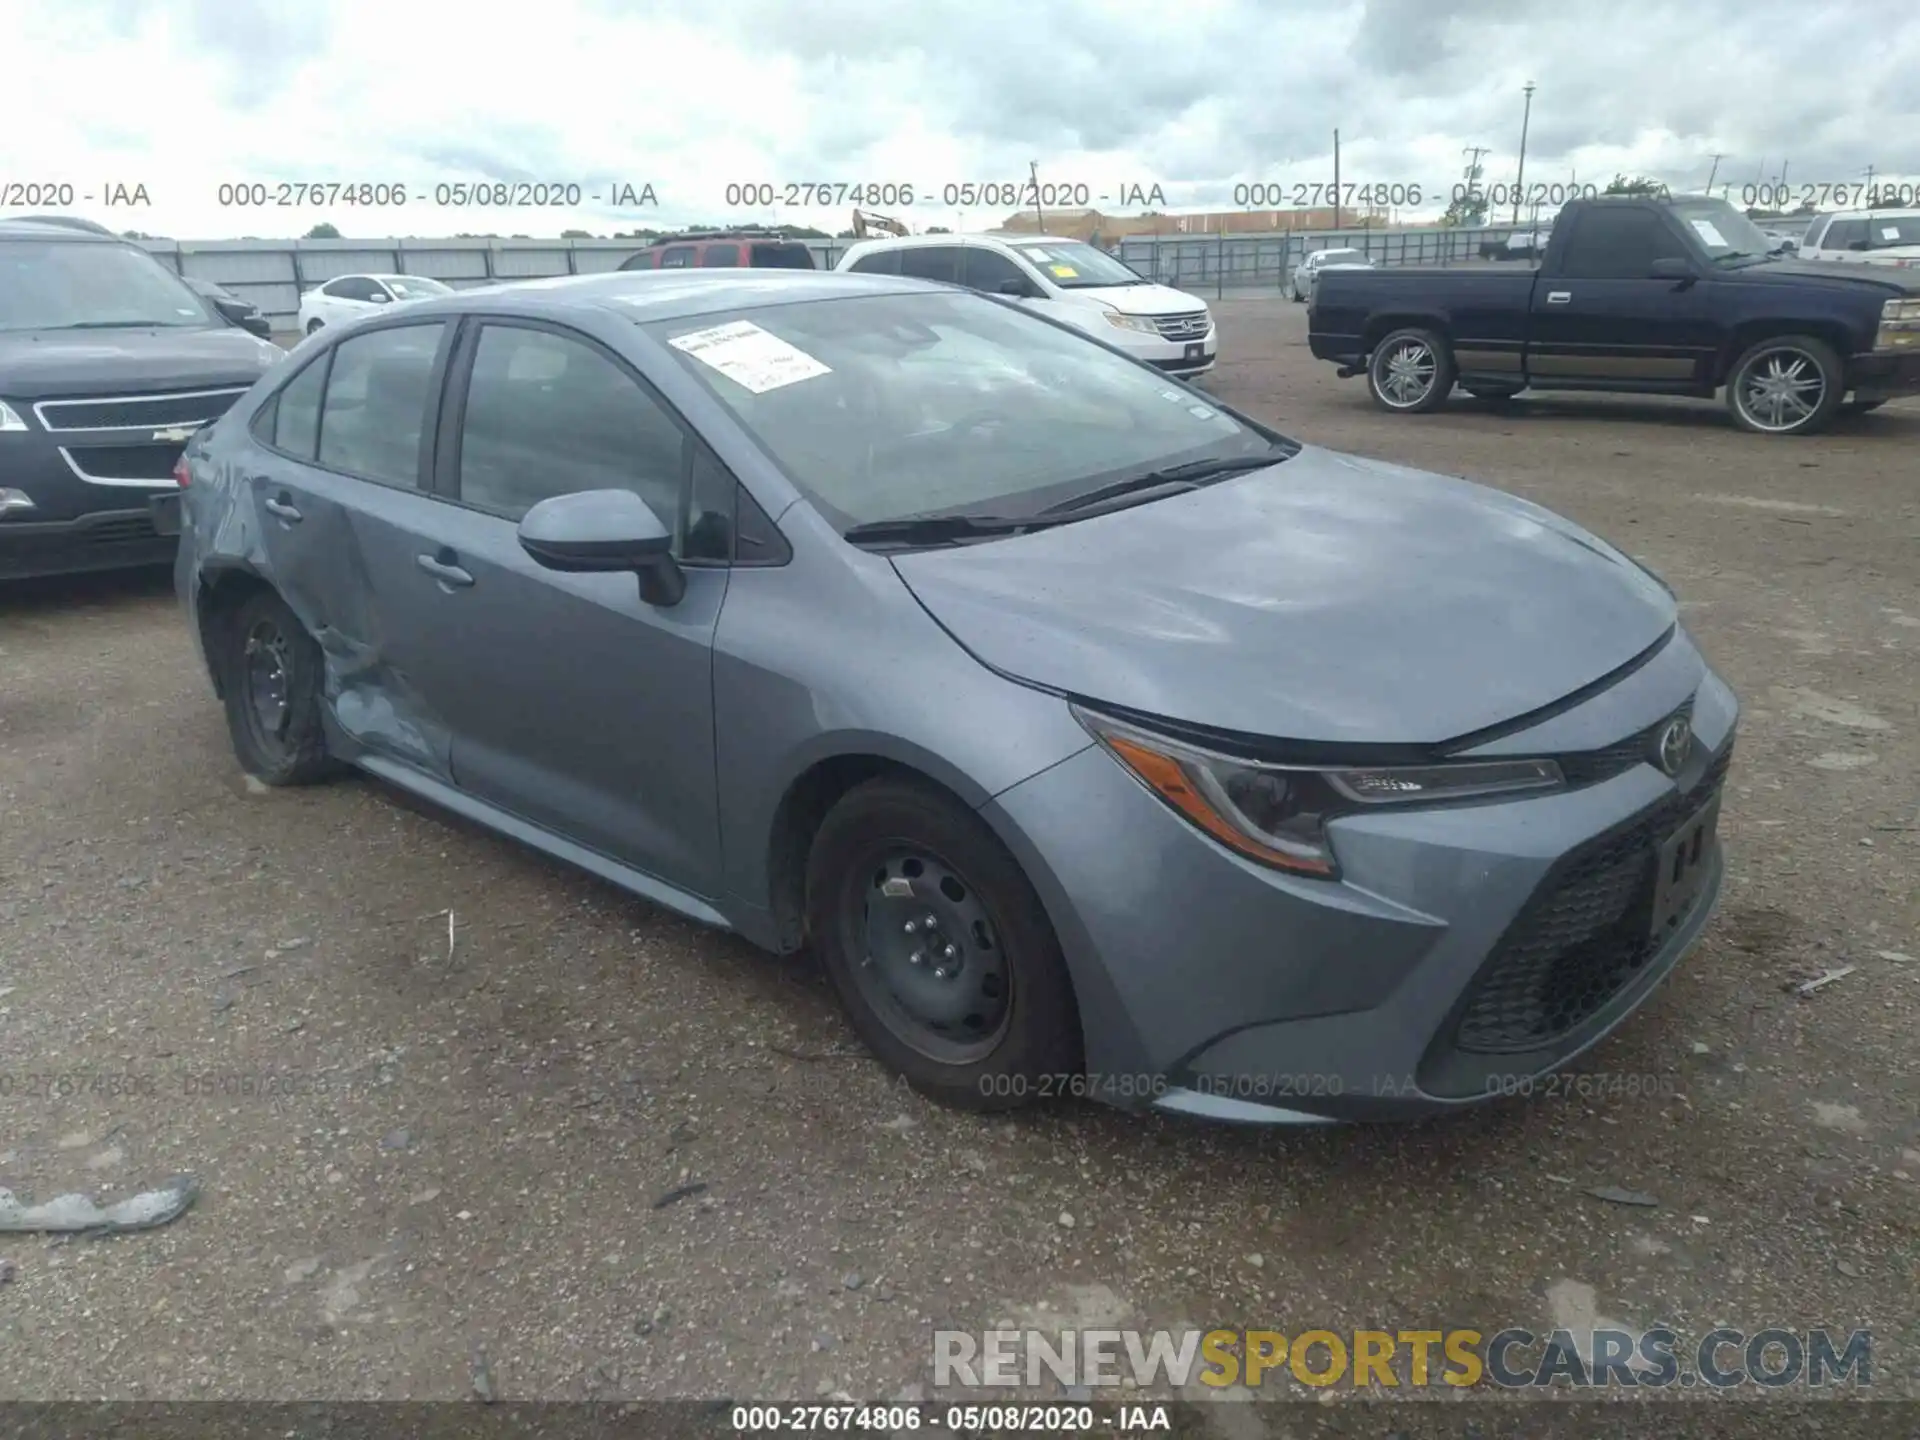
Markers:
point(1143, 299)
point(44, 364)
point(1327, 599)
point(1889, 278)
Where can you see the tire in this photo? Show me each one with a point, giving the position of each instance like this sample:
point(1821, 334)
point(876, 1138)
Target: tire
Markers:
point(992, 1032)
point(1298, 298)
point(283, 744)
point(1419, 384)
point(1861, 407)
point(1786, 385)
point(313, 325)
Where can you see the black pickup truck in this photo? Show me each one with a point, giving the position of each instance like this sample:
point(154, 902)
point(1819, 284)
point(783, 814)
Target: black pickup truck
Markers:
point(1676, 295)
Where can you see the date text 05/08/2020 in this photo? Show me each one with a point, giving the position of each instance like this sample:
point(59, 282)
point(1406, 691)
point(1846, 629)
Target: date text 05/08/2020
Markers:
point(952, 194)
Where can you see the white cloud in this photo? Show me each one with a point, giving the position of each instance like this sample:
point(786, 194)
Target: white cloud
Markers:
point(184, 95)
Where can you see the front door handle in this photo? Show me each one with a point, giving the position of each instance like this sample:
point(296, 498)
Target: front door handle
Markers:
point(1559, 297)
point(282, 506)
point(445, 571)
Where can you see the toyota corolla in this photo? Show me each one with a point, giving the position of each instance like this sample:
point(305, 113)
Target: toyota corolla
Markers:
point(1094, 736)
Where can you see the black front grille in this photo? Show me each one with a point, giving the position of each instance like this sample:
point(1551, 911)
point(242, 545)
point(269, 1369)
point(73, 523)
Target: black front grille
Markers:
point(125, 462)
point(1581, 939)
point(1589, 767)
point(121, 530)
point(138, 412)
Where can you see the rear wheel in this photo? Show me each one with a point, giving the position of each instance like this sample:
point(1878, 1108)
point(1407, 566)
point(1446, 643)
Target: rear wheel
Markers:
point(1411, 372)
point(939, 948)
point(271, 673)
point(313, 325)
point(1786, 385)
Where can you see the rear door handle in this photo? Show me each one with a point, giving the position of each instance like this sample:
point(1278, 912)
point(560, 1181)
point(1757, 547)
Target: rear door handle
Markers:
point(445, 571)
point(282, 506)
point(1559, 297)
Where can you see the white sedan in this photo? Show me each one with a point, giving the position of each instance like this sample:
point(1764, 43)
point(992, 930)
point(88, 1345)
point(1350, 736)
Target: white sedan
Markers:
point(348, 297)
point(1301, 286)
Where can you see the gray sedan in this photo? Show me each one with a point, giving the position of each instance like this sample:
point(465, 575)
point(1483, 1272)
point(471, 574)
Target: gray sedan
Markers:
point(1095, 738)
point(1300, 285)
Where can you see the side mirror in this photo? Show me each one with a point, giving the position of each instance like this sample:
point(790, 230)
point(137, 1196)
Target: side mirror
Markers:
point(1670, 267)
point(1018, 289)
point(380, 297)
point(258, 324)
point(601, 531)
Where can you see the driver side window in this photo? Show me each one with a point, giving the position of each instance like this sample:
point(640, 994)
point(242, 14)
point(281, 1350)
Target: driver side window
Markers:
point(549, 415)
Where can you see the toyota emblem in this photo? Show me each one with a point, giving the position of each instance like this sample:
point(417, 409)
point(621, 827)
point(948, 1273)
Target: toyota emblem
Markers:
point(1676, 744)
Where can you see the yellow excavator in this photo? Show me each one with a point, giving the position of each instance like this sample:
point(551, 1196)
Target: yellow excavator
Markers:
point(866, 223)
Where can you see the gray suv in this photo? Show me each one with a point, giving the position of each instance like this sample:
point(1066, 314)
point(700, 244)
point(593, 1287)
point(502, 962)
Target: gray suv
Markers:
point(1096, 738)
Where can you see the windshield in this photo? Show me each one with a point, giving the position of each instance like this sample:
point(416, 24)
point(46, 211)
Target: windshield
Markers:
point(1076, 265)
point(1722, 231)
point(415, 287)
point(66, 285)
point(886, 406)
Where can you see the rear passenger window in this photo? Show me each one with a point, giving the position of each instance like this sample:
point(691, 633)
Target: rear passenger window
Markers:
point(1846, 235)
point(883, 262)
point(676, 257)
point(987, 270)
point(295, 423)
point(547, 415)
point(375, 415)
point(720, 255)
point(931, 262)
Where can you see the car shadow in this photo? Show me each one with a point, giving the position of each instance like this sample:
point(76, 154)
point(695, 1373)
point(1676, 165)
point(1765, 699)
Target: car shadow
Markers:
point(97, 589)
point(1678, 412)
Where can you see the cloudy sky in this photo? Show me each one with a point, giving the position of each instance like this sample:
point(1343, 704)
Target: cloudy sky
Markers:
point(688, 96)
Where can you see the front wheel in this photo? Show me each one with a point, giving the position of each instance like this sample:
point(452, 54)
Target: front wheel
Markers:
point(1411, 372)
point(1786, 385)
point(940, 949)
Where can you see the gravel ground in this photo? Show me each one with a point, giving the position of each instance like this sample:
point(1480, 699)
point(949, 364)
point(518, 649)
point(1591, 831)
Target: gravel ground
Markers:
point(436, 1088)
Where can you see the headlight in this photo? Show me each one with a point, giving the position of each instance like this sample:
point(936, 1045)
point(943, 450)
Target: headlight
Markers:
point(1140, 324)
point(1899, 325)
point(1277, 814)
point(10, 418)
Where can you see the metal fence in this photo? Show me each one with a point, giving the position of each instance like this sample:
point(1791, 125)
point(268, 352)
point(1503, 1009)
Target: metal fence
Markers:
point(273, 274)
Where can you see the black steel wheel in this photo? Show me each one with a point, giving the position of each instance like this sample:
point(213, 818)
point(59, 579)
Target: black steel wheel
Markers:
point(940, 949)
point(271, 675)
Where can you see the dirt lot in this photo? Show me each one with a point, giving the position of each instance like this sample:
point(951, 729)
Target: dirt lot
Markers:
point(419, 1144)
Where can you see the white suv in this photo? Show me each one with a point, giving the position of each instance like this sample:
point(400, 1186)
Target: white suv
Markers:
point(1067, 280)
point(1875, 237)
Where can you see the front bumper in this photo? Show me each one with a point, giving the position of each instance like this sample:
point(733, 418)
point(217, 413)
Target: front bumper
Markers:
point(1212, 986)
point(1884, 374)
point(1176, 357)
point(104, 540)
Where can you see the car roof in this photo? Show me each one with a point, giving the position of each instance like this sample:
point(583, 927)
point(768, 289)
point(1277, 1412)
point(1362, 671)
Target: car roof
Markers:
point(668, 294)
point(57, 227)
point(1869, 215)
point(973, 237)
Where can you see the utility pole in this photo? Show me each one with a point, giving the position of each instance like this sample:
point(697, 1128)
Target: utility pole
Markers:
point(1039, 215)
point(1520, 178)
point(1336, 179)
point(1713, 172)
point(1869, 195)
point(1472, 173)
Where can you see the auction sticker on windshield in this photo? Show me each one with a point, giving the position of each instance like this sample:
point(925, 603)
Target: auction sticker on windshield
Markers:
point(1708, 232)
point(750, 356)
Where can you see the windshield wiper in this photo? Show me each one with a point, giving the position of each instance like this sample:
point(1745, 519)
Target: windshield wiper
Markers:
point(936, 529)
point(1174, 478)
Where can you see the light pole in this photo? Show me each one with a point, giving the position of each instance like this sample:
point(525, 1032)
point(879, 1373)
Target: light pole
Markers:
point(1520, 178)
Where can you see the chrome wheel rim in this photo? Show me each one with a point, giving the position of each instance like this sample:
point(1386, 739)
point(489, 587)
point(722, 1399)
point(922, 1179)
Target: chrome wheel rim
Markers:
point(1404, 375)
point(1780, 390)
